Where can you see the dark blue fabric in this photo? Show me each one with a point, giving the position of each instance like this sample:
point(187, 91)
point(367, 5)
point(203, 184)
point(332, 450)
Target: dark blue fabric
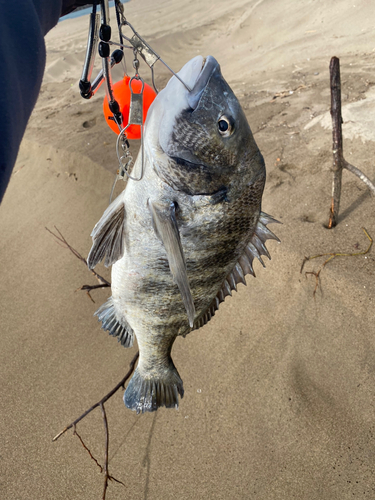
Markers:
point(23, 25)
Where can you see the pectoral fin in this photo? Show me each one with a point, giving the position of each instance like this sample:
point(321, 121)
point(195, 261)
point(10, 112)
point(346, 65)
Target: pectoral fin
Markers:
point(108, 235)
point(165, 225)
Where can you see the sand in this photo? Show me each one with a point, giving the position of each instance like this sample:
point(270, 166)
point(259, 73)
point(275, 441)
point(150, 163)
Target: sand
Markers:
point(279, 386)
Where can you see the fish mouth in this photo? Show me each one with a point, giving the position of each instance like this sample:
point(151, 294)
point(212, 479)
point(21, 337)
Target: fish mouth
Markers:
point(209, 66)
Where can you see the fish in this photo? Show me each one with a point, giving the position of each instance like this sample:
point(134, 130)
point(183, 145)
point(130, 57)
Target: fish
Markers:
point(181, 239)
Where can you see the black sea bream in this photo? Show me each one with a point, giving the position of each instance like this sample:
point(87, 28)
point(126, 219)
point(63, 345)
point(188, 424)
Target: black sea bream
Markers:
point(180, 239)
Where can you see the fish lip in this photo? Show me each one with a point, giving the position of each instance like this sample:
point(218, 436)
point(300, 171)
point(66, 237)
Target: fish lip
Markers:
point(195, 166)
point(186, 163)
point(209, 67)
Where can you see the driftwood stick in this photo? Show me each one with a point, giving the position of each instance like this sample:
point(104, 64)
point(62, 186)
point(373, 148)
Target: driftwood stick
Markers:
point(103, 400)
point(339, 161)
point(334, 69)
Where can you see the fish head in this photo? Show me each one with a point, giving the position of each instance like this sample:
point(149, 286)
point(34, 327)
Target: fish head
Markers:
point(199, 133)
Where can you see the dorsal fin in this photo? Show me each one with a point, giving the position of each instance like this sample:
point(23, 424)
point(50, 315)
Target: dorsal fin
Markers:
point(254, 248)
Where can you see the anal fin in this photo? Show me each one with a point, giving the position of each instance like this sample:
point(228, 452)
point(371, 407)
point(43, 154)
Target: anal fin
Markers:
point(115, 326)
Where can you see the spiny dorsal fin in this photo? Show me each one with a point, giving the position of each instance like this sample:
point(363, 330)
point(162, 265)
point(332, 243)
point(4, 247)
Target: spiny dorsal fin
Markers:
point(255, 248)
point(165, 225)
point(108, 235)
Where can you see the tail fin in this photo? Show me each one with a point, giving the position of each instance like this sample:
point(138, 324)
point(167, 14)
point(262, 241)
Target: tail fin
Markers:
point(148, 393)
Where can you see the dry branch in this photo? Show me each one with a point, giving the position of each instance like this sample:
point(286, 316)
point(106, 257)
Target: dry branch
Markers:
point(87, 449)
point(335, 82)
point(100, 403)
point(337, 146)
point(107, 475)
point(103, 400)
point(103, 283)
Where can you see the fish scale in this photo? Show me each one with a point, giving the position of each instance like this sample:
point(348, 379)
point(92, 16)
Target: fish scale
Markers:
point(182, 238)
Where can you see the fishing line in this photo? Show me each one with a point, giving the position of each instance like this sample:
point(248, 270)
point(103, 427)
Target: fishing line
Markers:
point(99, 39)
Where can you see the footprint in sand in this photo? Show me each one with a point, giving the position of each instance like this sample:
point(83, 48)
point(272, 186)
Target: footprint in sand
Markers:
point(89, 123)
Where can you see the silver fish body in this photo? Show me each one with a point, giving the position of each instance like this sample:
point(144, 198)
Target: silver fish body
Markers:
point(181, 239)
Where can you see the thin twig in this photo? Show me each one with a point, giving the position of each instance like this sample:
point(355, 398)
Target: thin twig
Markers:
point(61, 238)
point(89, 288)
point(317, 279)
point(287, 93)
point(86, 448)
point(103, 400)
point(106, 474)
point(332, 256)
point(354, 170)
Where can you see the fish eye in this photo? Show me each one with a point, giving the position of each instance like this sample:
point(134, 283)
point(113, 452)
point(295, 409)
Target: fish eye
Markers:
point(224, 126)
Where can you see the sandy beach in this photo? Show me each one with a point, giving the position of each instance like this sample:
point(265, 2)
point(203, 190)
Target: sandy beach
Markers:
point(279, 385)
